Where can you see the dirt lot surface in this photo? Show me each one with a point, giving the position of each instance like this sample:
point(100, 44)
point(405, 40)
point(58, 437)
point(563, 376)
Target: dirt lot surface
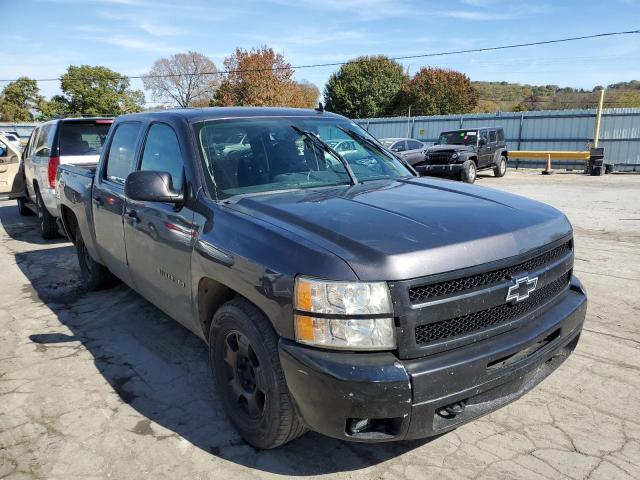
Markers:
point(97, 385)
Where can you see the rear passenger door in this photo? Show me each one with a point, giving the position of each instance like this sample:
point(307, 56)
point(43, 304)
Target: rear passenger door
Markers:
point(493, 143)
point(108, 199)
point(484, 149)
point(158, 235)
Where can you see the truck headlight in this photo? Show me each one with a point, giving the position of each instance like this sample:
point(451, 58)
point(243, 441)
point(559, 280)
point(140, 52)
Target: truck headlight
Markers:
point(344, 315)
point(454, 156)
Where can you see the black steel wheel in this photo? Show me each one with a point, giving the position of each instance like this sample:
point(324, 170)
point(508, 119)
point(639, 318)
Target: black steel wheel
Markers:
point(243, 349)
point(95, 276)
point(243, 375)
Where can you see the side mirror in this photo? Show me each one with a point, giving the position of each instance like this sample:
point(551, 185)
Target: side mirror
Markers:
point(482, 142)
point(151, 186)
point(435, 143)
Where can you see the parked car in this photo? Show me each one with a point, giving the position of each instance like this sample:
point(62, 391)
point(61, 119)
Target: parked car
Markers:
point(413, 151)
point(74, 141)
point(349, 297)
point(10, 178)
point(343, 146)
point(462, 153)
point(12, 137)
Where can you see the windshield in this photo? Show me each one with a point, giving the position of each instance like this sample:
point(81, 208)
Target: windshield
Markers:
point(459, 137)
point(283, 153)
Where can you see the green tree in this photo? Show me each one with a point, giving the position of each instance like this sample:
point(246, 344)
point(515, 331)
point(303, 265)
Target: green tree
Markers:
point(437, 91)
point(98, 90)
point(365, 87)
point(18, 99)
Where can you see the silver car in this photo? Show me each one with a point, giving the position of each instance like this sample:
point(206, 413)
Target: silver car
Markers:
point(75, 141)
point(413, 151)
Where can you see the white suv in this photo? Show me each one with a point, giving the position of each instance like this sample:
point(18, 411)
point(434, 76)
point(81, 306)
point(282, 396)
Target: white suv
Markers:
point(75, 141)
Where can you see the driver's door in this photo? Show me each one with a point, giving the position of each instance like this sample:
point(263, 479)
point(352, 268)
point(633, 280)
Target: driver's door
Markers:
point(11, 181)
point(159, 236)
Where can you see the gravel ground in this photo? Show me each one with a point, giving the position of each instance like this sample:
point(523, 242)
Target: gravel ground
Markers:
point(98, 385)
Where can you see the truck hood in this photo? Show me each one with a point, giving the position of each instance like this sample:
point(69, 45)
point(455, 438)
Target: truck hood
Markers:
point(411, 227)
point(451, 148)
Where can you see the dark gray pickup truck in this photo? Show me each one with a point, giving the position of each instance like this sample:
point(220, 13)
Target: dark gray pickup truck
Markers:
point(337, 292)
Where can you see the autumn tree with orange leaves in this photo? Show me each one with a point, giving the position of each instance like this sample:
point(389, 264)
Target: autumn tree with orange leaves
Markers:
point(262, 78)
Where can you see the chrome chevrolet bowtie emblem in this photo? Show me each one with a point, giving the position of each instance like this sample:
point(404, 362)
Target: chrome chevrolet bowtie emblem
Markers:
point(522, 289)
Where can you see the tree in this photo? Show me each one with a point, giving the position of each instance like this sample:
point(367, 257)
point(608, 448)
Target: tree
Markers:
point(186, 79)
point(259, 77)
point(437, 91)
point(365, 87)
point(18, 99)
point(98, 90)
point(309, 93)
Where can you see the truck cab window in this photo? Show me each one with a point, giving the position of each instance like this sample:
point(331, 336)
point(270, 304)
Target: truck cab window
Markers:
point(492, 136)
point(162, 153)
point(120, 156)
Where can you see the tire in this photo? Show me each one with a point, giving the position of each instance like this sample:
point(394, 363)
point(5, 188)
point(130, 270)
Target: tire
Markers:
point(501, 168)
point(23, 210)
point(94, 275)
point(243, 349)
point(469, 172)
point(47, 222)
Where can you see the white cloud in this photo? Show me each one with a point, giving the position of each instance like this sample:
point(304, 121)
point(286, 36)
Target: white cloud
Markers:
point(135, 43)
point(476, 15)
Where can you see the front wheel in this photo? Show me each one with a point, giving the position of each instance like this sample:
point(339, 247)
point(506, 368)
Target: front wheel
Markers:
point(501, 167)
point(243, 349)
point(469, 172)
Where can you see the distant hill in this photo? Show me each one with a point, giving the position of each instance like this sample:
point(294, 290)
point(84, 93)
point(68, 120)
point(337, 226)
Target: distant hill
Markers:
point(506, 96)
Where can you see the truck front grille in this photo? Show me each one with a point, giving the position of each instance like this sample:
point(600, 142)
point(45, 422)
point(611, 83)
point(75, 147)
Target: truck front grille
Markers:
point(440, 158)
point(490, 317)
point(423, 293)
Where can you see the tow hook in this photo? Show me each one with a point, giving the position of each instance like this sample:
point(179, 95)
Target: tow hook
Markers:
point(452, 410)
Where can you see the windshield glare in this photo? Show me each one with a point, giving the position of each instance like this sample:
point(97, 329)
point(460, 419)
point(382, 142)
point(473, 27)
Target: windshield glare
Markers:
point(253, 155)
point(459, 137)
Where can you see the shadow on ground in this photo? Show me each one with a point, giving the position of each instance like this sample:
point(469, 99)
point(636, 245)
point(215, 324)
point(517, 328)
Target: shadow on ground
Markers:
point(161, 369)
point(21, 228)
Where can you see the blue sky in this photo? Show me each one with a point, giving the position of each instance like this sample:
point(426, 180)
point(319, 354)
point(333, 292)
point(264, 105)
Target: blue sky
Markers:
point(42, 37)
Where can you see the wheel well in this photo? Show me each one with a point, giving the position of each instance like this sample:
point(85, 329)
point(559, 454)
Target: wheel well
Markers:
point(505, 154)
point(211, 296)
point(70, 222)
point(474, 160)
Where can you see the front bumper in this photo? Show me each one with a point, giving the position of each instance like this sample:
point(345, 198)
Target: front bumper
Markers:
point(333, 391)
point(451, 169)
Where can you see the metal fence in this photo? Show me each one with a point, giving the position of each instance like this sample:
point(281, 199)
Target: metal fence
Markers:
point(23, 129)
point(545, 130)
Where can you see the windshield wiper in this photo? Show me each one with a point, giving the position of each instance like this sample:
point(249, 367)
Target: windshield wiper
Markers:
point(375, 146)
point(327, 148)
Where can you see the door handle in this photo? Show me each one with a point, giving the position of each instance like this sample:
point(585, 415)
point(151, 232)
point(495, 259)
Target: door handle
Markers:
point(131, 216)
point(97, 201)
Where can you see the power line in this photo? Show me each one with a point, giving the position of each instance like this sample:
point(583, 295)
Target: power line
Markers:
point(336, 64)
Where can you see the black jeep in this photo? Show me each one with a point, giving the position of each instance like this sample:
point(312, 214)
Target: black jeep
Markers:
point(461, 153)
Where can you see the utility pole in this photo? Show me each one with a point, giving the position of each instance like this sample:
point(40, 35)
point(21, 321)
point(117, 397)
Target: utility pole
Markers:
point(409, 122)
point(596, 133)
